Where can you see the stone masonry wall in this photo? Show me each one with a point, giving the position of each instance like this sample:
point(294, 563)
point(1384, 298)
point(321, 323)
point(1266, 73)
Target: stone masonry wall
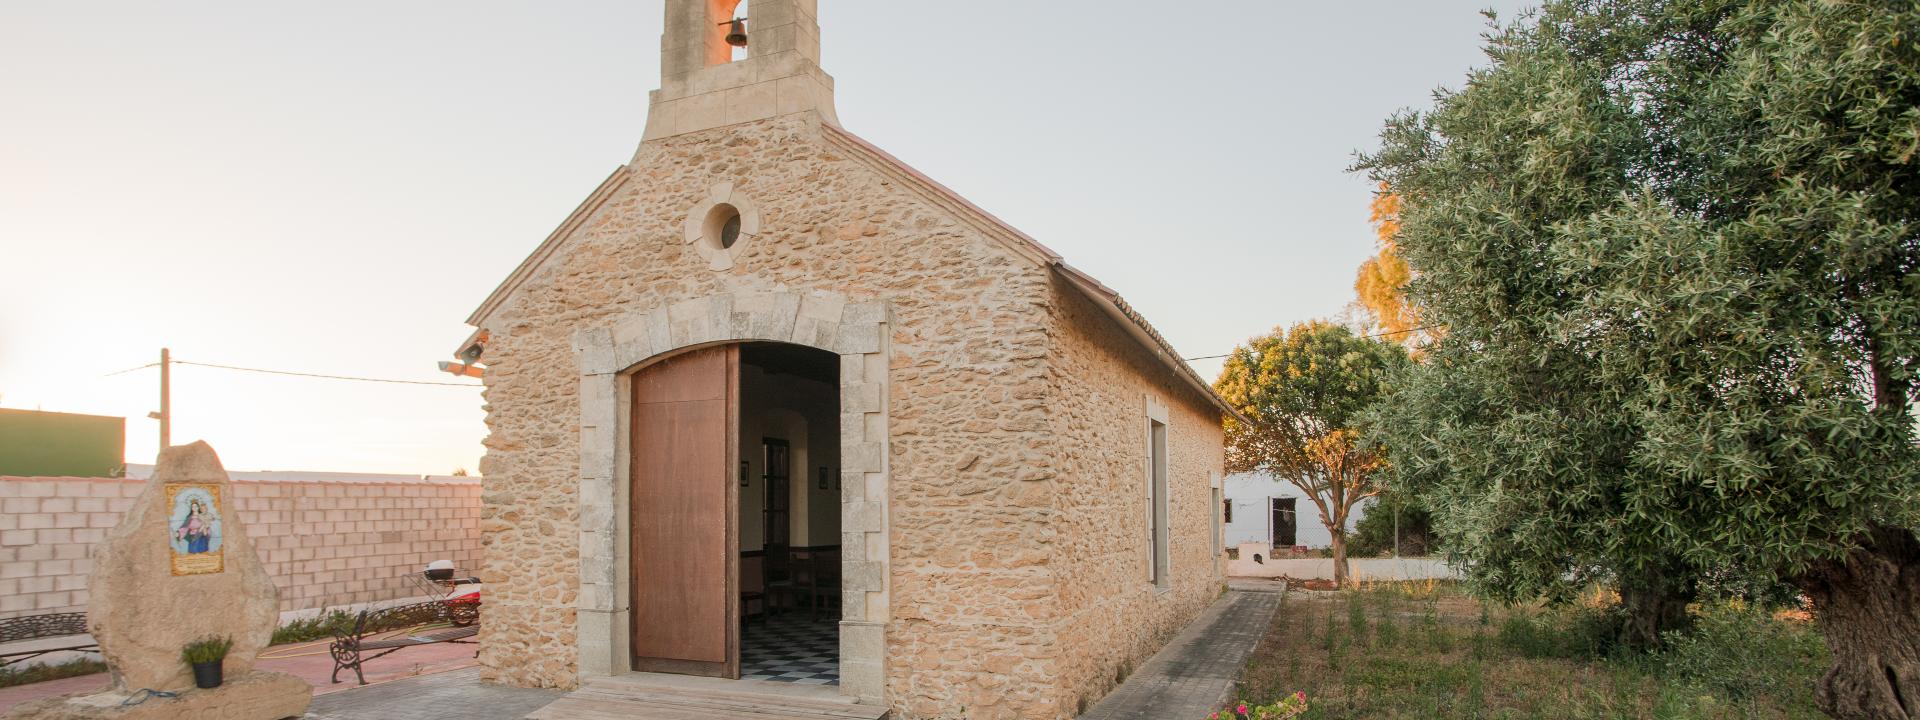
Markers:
point(324, 543)
point(972, 616)
point(1114, 616)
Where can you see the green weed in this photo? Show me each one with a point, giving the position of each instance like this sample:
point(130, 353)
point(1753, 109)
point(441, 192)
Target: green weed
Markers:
point(28, 674)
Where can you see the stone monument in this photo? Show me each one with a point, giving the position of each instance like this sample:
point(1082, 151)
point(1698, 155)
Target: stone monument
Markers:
point(178, 568)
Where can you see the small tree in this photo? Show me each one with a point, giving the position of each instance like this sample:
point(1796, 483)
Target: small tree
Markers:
point(1303, 392)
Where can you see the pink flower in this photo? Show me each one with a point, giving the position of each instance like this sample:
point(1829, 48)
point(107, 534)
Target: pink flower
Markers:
point(1301, 696)
point(1242, 709)
point(1214, 716)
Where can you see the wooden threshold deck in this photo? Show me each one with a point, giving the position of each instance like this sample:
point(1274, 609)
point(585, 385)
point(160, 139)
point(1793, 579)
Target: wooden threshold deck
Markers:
point(648, 696)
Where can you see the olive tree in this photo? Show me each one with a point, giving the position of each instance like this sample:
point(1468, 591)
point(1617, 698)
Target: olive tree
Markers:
point(1302, 393)
point(1673, 243)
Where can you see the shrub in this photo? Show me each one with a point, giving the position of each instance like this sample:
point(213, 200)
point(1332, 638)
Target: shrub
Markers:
point(1579, 632)
point(1292, 706)
point(1373, 534)
point(319, 627)
point(1743, 652)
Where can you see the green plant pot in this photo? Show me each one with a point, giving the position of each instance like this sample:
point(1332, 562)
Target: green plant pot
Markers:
point(208, 675)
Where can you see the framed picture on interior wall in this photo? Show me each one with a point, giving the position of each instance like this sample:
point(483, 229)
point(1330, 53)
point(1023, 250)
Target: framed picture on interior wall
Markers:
point(823, 477)
point(743, 473)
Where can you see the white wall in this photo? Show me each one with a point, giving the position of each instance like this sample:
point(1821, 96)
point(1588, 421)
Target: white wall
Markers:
point(1252, 495)
point(1361, 569)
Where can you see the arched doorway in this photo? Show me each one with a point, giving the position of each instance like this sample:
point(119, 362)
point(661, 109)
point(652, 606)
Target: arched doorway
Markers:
point(735, 513)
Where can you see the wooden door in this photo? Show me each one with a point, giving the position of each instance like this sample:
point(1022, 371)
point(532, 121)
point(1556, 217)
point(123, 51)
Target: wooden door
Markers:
point(685, 566)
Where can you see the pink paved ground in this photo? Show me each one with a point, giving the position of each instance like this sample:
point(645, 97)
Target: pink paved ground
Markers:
point(308, 661)
point(17, 694)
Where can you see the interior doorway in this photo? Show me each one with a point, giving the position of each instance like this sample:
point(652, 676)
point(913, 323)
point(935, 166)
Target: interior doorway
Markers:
point(789, 549)
point(1285, 527)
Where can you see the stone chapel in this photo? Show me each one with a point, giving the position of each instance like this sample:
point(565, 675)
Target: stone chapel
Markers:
point(772, 405)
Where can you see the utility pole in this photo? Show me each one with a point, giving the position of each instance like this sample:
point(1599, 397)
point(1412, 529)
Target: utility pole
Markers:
point(165, 416)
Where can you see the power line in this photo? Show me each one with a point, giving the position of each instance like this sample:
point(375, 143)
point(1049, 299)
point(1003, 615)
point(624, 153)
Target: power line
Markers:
point(297, 374)
point(131, 369)
point(324, 377)
point(1363, 337)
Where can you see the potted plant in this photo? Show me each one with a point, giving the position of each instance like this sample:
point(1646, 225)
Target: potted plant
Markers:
point(207, 656)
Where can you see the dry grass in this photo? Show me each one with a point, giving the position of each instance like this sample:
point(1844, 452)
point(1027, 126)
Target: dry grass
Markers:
point(1426, 650)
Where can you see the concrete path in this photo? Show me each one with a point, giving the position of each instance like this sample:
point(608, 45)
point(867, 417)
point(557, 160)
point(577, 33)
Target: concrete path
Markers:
point(308, 661)
point(1193, 675)
point(455, 695)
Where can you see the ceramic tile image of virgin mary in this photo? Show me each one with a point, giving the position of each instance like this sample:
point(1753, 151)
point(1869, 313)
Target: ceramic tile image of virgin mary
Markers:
point(193, 529)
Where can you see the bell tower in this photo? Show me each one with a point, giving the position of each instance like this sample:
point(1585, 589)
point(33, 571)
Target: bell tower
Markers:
point(703, 87)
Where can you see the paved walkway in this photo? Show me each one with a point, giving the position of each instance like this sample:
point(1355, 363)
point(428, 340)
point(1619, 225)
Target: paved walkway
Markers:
point(1194, 674)
point(11, 696)
point(308, 661)
point(455, 695)
point(312, 663)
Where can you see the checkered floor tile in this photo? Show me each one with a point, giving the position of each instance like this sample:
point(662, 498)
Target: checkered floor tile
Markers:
point(792, 650)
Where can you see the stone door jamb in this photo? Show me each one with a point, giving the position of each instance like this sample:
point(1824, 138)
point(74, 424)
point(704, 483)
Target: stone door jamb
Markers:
point(610, 351)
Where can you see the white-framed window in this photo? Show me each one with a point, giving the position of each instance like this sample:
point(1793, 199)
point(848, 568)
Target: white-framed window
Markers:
point(1158, 495)
point(1221, 511)
point(1161, 535)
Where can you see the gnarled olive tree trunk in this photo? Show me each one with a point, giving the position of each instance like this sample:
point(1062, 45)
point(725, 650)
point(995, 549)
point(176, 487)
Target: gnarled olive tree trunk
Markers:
point(1652, 607)
point(1868, 607)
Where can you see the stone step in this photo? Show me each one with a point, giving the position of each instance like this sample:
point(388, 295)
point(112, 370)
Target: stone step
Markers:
point(637, 697)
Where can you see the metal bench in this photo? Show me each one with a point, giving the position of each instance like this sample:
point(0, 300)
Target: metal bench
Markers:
point(35, 627)
point(351, 650)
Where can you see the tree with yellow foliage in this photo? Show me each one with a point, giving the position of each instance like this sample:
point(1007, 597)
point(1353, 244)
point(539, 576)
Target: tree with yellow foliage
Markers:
point(1382, 284)
point(1301, 394)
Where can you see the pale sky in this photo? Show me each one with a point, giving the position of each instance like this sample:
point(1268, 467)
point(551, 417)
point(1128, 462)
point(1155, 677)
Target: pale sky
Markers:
point(332, 187)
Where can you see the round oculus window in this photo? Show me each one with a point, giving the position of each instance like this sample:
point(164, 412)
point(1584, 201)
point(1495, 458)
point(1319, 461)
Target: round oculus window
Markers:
point(730, 231)
point(723, 226)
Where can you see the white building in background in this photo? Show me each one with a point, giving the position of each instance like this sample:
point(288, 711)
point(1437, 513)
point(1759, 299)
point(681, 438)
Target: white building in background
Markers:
point(1265, 509)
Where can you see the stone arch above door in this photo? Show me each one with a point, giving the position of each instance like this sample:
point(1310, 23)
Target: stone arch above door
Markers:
point(610, 349)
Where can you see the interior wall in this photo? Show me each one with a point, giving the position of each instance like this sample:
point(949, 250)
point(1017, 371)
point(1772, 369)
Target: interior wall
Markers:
point(806, 414)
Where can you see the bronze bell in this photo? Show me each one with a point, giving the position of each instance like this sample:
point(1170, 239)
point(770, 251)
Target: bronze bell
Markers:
point(737, 32)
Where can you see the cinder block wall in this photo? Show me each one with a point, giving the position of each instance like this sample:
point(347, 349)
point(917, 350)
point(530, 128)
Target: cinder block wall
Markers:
point(324, 543)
